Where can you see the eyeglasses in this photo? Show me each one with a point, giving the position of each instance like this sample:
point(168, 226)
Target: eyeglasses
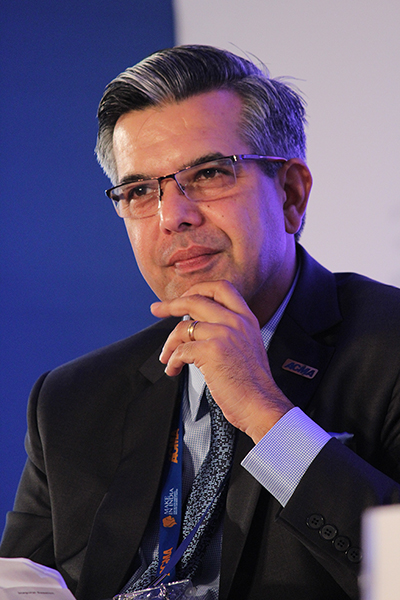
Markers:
point(204, 182)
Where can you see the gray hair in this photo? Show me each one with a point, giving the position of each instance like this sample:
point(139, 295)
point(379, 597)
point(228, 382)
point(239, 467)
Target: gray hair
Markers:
point(273, 114)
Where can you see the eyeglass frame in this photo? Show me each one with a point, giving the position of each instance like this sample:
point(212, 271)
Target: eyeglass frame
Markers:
point(235, 158)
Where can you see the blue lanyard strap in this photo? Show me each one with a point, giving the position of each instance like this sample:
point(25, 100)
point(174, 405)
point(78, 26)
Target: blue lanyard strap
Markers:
point(177, 555)
point(170, 523)
point(171, 500)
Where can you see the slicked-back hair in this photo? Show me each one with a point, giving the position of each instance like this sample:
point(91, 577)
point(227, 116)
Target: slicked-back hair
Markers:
point(273, 113)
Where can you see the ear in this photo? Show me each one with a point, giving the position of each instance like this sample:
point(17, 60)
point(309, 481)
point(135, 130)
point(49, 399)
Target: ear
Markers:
point(296, 181)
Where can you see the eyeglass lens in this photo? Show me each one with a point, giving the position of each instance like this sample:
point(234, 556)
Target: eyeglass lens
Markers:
point(204, 182)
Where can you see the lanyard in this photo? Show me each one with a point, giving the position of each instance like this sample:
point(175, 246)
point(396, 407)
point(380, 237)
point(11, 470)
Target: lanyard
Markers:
point(169, 552)
point(170, 522)
point(171, 500)
point(177, 555)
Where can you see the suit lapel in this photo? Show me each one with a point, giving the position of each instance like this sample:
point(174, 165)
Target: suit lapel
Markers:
point(125, 510)
point(305, 332)
point(294, 346)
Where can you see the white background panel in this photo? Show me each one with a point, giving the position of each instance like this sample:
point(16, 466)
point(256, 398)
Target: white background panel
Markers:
point(345, 58)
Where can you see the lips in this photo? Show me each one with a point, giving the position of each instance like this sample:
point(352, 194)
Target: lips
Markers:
point(196, 257)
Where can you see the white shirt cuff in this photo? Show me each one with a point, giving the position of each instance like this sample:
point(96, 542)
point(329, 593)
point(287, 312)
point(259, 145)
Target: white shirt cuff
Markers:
point(283, 455)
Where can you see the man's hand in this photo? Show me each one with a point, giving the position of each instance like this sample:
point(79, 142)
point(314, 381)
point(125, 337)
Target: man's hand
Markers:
point(229, 352)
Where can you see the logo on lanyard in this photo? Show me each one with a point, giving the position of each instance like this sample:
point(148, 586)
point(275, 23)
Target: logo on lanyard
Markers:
point(174, 446)
point(171, 500)
point(169, 521)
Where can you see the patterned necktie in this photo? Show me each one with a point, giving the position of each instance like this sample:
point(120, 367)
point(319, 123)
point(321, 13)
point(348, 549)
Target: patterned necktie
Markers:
point(206, 484)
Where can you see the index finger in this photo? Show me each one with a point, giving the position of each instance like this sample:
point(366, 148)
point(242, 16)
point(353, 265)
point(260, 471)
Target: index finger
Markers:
point(207, 300)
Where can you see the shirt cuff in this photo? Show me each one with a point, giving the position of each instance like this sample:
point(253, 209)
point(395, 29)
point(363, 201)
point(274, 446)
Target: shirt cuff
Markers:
point(283, 455)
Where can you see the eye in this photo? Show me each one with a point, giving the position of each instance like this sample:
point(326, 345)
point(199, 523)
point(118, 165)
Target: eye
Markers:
point(208, 173)
point(137, 191)
point(211, 175)
point(212, 172)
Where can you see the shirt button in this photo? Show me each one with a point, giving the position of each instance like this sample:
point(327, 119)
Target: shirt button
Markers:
point(315, 521)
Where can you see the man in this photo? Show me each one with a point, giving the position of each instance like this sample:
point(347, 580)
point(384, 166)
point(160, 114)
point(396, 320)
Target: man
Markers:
point(207, 159)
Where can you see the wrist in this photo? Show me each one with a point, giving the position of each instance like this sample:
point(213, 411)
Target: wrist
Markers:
point(258, 429)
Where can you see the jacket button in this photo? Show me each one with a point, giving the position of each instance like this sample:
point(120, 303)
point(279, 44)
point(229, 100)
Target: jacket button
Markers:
point(354, 555)
point(342, 543)
point(328, 532)
point(315, 521)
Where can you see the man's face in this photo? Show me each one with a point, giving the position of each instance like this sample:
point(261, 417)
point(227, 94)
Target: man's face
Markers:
point(240, 238)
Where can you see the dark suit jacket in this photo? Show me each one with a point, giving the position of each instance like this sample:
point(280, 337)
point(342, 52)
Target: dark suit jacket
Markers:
point(98, 432)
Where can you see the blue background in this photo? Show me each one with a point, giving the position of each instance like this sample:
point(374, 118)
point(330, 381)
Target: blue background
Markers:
point(69, 282)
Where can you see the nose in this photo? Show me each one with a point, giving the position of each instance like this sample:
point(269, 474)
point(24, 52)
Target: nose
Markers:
point(177, 212)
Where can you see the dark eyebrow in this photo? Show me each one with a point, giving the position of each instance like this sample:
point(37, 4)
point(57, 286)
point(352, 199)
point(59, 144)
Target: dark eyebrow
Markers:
point(206, 158)
point(132, 178)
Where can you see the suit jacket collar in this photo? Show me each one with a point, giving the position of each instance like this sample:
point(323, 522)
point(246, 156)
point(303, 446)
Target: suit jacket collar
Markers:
point(314, 303)
point(303, 333)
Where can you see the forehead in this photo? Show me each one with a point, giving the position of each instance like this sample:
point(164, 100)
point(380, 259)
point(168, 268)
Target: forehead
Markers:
point(168, 137)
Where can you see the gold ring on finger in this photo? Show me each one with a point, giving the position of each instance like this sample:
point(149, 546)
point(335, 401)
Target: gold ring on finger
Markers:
point(191, 329)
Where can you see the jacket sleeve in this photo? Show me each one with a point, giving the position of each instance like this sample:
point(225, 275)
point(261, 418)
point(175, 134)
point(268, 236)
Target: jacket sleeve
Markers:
point(324, 511)
point(28, 530)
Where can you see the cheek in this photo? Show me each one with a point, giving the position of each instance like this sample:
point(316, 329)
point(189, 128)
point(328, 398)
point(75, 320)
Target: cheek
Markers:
point(142, 248)
point(261, 236)
point(247, 226)
point(143, 242)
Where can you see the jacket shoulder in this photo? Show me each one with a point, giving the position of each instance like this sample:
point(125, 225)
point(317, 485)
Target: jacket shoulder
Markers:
point(323, 299)
point(361, 298)
point(130, 352)
point(103, 379)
